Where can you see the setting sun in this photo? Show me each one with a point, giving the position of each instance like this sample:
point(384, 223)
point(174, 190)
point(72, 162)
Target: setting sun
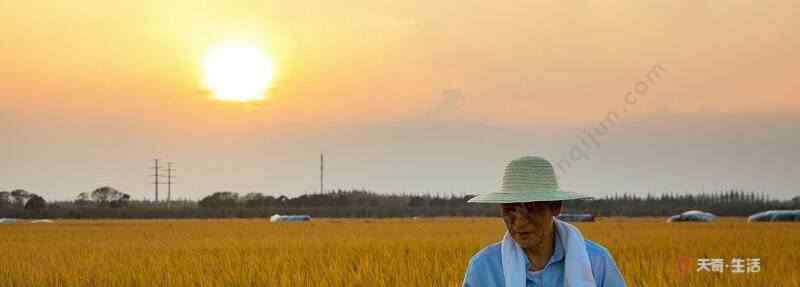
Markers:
point(237, 72)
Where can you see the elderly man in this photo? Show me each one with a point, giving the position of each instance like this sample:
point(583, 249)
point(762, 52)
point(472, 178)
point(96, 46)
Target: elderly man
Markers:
point(538, 249)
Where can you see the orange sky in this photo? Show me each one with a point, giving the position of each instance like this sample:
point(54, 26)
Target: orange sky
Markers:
point(102, 81)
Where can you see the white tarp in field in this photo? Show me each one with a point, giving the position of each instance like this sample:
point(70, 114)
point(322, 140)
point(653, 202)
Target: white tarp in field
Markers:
point(693, 216)
point(42, 221)
point(576, 217)
point(8, 220)
point(775, 215)
point(284, 218)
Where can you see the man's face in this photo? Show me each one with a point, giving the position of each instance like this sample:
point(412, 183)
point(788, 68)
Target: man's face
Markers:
point(529, 222)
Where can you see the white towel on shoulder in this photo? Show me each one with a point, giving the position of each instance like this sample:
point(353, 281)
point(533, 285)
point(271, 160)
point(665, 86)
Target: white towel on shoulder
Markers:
point(577, 267)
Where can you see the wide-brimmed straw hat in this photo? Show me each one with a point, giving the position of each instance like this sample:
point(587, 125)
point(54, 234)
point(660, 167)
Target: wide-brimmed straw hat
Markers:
point(528, 179)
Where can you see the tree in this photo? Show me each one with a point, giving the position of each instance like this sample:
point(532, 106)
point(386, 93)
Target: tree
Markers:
point(19, 197)
point(108, 196)
point(283, 200)
point(255, 199)
point(122, 201)
point(83, 199)
point(36, 203)
point(5, 199)
point(220, 199)
point(416, 201)
point(437, 202)
point(103, 194)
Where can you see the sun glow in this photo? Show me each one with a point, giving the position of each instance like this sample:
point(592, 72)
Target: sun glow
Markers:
point(237, 72)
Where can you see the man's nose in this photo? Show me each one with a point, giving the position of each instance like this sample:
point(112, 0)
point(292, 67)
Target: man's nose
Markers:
point(521, 219)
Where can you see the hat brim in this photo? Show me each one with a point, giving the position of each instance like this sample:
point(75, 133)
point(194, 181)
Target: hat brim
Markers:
point(517, 197)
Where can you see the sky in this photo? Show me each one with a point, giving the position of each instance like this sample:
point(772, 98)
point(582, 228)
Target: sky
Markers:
point(413, 97)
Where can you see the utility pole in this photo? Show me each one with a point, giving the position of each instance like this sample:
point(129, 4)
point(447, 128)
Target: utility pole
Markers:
point(169, 183)
point(156, 179)
point(321, 173)
point(156, 175)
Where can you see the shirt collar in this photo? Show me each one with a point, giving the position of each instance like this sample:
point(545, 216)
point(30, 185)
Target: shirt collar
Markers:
point(558, 252)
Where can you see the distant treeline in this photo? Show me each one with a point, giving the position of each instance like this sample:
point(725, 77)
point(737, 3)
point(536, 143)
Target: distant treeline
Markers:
point(727, 203)
point(106, 202)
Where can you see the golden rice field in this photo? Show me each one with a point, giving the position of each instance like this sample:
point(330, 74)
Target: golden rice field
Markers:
point(357, 252)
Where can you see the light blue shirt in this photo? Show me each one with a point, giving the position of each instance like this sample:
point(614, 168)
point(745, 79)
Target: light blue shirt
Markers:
point(486, 268)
